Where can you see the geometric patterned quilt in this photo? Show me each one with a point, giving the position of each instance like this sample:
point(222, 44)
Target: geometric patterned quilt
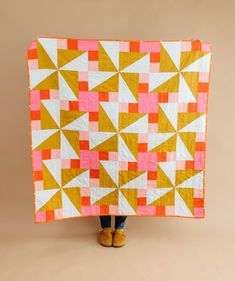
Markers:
point(118, 127)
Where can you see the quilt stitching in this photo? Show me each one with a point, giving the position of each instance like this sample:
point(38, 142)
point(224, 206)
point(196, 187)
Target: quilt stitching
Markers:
point(118, 127)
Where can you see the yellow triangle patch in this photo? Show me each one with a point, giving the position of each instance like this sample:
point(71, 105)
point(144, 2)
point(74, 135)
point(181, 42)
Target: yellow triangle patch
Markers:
point(131, 140)
point(126, 119)
point(132, 81)
point(170, 86)
point(44, 60)
point(127, 176)
point(55, 202)
point(105, 124)
point(109, 85)
point(166, 63)
point(162, 179)
point(53, 142)
point(187, 194)
point(131, 196)
point(167, 146)
point(47, 122)
point(51, 82)
point(192, 79)
point(67, 116)
point(109, 199)
point(183, 175)
point(74, 195)
point(105, 179)
point(189, 139)
point(188, 58)
point(128, 58)
point(110, 144)
point(49, 181)
point(66, 56)
point(73, 139)
point(71, 77)
point(168, 199)
point(69, 174)
point(105, 63)
point(185, 118)
point(164, 125)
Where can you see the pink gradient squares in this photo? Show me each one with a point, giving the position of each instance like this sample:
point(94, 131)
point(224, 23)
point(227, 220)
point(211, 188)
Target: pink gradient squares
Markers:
point(147, 161)
point(148, 103)
point(89, 101)
point(89, 159)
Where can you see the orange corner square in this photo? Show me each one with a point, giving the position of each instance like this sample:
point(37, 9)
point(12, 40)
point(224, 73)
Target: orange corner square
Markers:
point(93, 55)
point(163, 97)
point(72, 44)
point(133, 107)
point(143, 88)
point(46, 154)
point(154, 57)
point(132, 166)
point(75, 163)
point(161, 156)
point(142, 147)
point(192, 107)
point(134, 46)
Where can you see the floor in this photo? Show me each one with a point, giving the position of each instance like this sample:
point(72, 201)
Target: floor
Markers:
point(157, 249)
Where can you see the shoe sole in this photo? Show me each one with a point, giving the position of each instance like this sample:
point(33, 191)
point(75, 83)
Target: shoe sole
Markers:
point(118, 246)
point(105, 245)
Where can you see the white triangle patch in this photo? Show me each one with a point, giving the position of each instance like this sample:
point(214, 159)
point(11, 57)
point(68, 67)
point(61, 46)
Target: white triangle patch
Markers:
point(96, 138)
point(124, 154)
point(39, 136)
point(124, 207)
point(155, 139)
point(65, 91)
point(82, 180)
point(80, 124)
point(181, 208)
point(182, 152)
point(198, 125)
point(111, 109)
point(195, 181)
point(200, 65)
point(50, 46)
point(169, 168)
point(140, 66)
point(78, 64)
point(158, 78)
point(174, 51)
point(124, 94)
point(54, 167)
point(43, 196)
point(96, 193)
point(140, 126)
point(67, 152)
point(38, 75)
point(96, 78)
point(53, 107)
point(171, 111)
point(112, 169)
point(69, 210)
point(139, 182)
point(156, 193)
point(185, 94)
point(112, 49)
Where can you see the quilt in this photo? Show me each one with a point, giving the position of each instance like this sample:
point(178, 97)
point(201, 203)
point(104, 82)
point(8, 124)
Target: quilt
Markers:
point(118, 127)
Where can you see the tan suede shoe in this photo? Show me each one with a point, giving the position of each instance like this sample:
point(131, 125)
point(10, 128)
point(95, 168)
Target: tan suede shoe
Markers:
point(119, 238)
point(105, 237)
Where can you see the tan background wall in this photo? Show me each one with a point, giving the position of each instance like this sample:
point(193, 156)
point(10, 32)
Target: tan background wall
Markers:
point(158, 248)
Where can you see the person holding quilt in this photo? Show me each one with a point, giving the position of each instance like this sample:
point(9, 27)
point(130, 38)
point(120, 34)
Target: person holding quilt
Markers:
point(108, 238)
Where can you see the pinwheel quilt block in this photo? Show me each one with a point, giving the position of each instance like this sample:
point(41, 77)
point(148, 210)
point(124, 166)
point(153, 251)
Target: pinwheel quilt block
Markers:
point(118, 127)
